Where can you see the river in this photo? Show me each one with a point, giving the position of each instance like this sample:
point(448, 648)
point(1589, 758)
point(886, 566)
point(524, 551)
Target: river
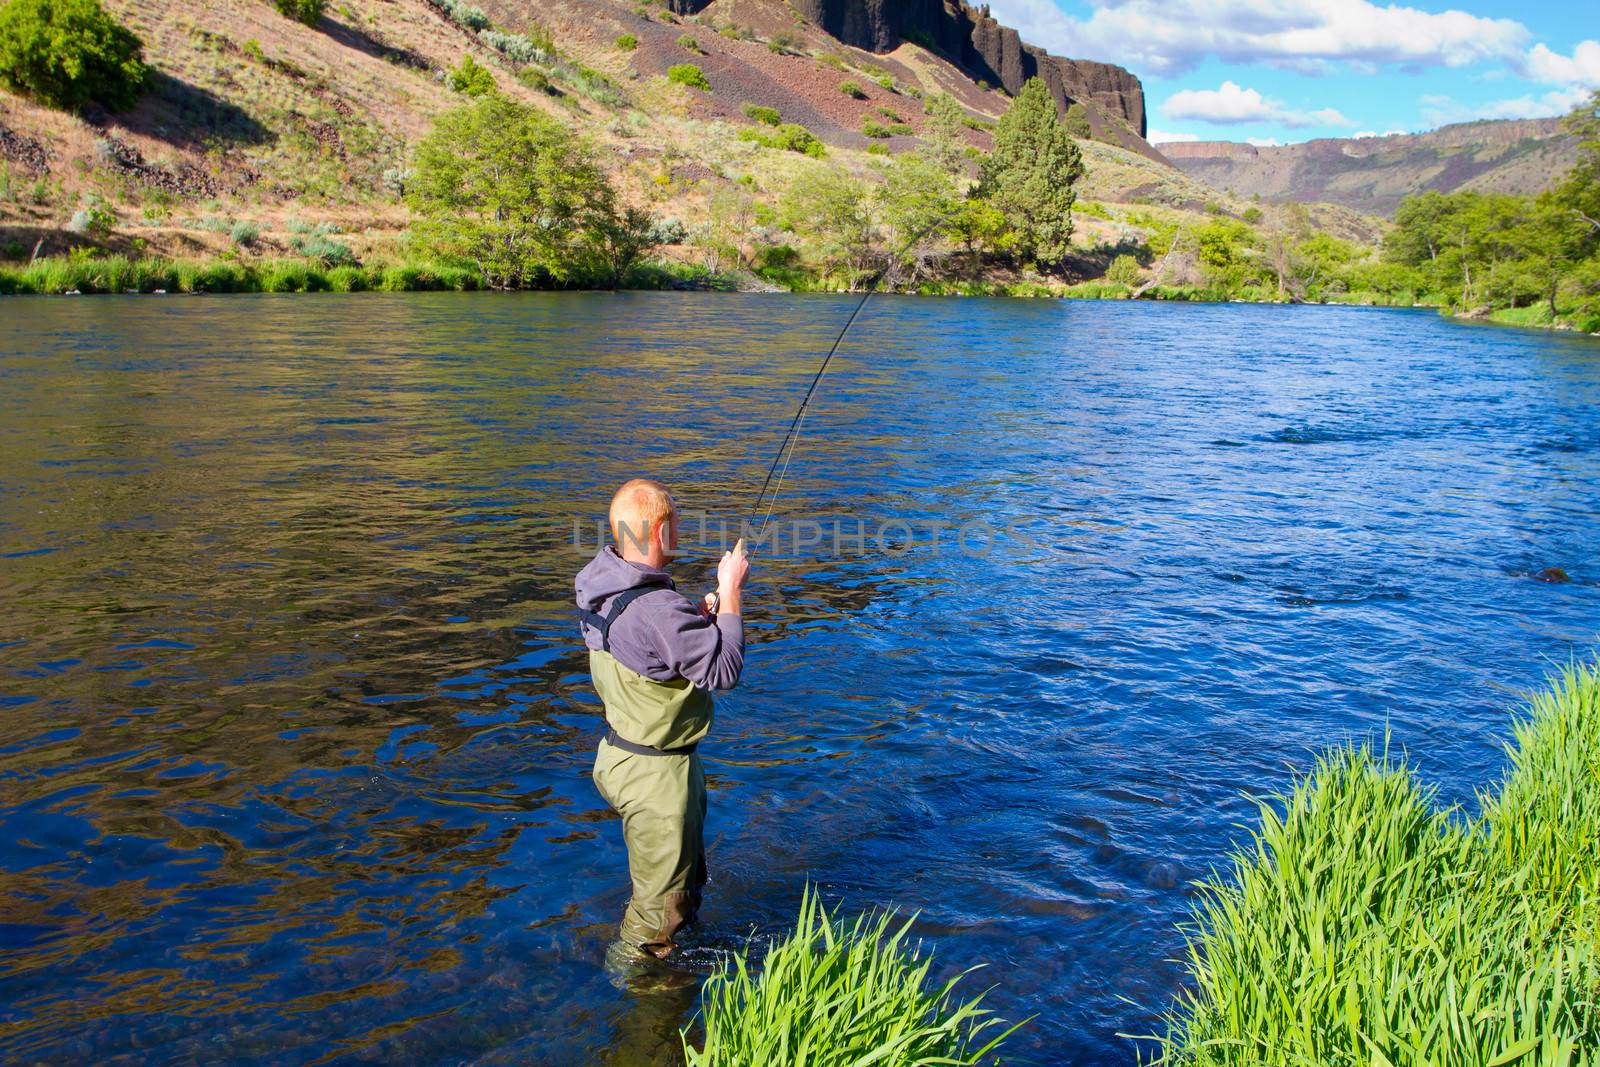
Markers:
point(295, 729)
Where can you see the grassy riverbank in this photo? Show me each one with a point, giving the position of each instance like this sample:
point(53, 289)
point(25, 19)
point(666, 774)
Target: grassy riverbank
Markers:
point(1363, 924)
point(121, 274)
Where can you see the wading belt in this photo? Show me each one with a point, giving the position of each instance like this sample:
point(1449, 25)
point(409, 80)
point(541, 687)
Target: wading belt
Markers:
point(616, 740)
point(602, 623)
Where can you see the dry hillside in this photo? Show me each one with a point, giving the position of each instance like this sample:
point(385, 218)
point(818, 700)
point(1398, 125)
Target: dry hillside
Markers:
point(258, 121)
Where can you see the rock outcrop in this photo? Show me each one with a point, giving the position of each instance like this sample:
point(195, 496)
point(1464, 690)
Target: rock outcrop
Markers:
point(986, 50)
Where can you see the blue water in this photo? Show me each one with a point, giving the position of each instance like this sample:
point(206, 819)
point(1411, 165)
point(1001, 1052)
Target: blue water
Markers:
point(295, 732)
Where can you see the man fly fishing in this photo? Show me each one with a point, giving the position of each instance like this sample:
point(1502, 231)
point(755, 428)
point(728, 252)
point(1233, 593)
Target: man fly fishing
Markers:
point(655, 656)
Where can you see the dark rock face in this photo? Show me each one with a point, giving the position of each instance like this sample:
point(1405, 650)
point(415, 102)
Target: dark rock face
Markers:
point(983, 48)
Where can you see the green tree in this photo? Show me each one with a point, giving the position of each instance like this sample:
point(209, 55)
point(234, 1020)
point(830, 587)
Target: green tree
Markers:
point(1031, 173)
point(915, 202)
point(67, 53)
point(980, 228)
point(619, 238)
point(832, 210)
point(514, 192)
point(944, 138)
point(1581, 191)
point(306, 11)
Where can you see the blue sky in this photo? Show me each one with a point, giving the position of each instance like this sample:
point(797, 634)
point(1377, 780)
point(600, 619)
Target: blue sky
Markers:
point(1281, 71)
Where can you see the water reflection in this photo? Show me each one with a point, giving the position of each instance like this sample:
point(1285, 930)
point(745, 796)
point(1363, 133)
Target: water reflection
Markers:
point(296, 735)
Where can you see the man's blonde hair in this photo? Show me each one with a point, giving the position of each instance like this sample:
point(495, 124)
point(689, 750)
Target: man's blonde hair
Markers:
point(636, 508)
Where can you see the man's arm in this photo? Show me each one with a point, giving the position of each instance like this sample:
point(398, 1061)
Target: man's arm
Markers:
point(710, 653)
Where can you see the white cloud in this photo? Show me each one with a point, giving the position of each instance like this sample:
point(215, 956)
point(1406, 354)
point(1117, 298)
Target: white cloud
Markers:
point(1234, 104)
point(1374, 133)
point(1167, 37)
point(1264, 142)
point(1581, 69)
point(1442, 110)
point(1163, 137)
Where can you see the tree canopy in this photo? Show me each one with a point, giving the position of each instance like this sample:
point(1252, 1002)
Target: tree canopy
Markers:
point(501, 185)
point(68, 53)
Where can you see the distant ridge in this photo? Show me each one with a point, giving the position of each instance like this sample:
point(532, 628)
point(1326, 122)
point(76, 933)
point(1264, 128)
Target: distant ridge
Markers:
point(1373, 174)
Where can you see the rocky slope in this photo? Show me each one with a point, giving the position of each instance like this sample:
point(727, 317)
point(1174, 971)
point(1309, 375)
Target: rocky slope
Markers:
point(982, 48)
point(1373, 174)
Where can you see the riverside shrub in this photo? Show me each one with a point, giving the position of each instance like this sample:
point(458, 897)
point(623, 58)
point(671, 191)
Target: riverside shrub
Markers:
point(500, 185)
point(1362, 924)
point(68, 53)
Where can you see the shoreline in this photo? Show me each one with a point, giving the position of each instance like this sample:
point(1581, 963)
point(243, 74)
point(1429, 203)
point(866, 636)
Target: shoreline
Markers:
point(121, 276)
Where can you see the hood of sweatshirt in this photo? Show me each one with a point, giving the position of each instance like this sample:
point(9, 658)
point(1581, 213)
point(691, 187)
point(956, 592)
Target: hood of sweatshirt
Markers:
point(609, 574)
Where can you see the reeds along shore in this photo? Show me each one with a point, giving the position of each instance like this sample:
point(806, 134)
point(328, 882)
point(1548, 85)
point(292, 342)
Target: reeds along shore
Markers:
point(1363, 924)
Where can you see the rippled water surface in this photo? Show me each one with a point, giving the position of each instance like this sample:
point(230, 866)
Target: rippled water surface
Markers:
point(295, 731)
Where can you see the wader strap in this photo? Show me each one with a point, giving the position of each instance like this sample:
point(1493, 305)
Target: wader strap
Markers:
point(616, 740)
point(619, 603)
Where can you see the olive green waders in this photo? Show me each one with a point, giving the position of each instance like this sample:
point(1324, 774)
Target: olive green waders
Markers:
point(648, 770)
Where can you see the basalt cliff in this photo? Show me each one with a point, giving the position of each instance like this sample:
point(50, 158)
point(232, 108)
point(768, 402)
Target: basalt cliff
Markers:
point(984, 49)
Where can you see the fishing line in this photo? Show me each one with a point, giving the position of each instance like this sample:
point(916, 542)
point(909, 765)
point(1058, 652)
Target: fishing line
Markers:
point(791, 440)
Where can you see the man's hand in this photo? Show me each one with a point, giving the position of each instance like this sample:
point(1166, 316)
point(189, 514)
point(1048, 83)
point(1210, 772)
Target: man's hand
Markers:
point(731, 573)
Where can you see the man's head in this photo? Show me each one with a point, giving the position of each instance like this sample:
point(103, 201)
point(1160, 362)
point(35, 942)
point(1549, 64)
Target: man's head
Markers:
point(644, 522)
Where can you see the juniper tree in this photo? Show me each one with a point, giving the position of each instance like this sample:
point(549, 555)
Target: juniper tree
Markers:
point(1031, 173)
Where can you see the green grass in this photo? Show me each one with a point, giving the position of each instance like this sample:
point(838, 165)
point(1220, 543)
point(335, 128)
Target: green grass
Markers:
point(1364, 925)
point(831, 995)
point(118, 274)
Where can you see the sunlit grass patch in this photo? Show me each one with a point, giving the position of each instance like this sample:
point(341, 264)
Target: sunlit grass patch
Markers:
point(1364, 925)
point(832, 994)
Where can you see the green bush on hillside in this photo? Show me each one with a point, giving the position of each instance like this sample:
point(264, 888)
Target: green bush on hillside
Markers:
point(67, 53)
point(1363, 925)
point(308, 12)
point(687, 42)
point(853, 90)
point(472, 79)
point(833, 994)
point(627, 42)
point(790, 137)
point(767, 116)
point(688, 74)
point(875, 129)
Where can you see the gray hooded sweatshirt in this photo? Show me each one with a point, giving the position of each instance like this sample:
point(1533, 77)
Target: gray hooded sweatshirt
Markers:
point(662, 635)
